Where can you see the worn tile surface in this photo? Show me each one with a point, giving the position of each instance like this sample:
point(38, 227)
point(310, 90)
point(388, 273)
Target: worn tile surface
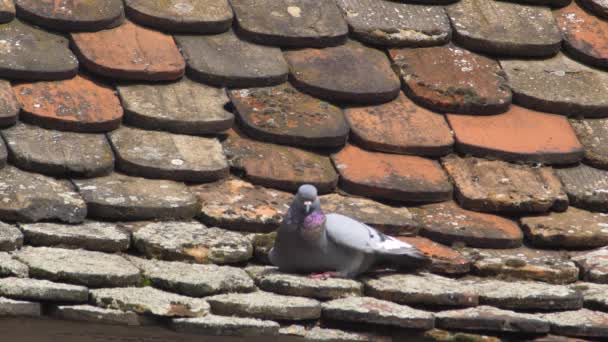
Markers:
point(213, 325)
point(587, 187)
point(11, 237)
point(593, 265)
point(487, 318)
point(444, 260)
point(592, 133)
point(9, 106)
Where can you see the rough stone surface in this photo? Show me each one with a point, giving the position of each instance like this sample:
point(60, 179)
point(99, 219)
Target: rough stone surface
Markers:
point(504, 28)
point(444, 260)
point(497, 186)
point(424, 289)
point(9, 106)
point(389, 176)
point(292, 167)
point(130, 52)
point(213, 325)
point(400, 126)
point(10, 267)
point(595, 296)
point(376, 311)
point(225, 60)
point(9, 307)
point(283, 115)
point(558, 85)
point(208, 16)
point(57, 153)
point(7, 11)
point(587, 187)
point(191, 241)
point(239, 205)
point(90, 235)
point(93, 314)
point(271, 280)
point(183, 107)
point(29, 197)
point(317, 334)
point(347, 73)
point(292, 23)
point(451, 79)
point(584, 323)
point(524, 263)
point(265, 305)
point(153, 154)
point(574, 228)
point(439, 335)
point(388, 23)
point(192, 279)
point(11, 238)
point(147, 300)
point(448, 223)
point(597, 7)
point(29, 53)
point(391, 220)
point(519, 135)
point(584, 35)
point(42, 290)
point(487, 318)
point(120, 197)
point(93, 269)
point(593, 134)
point(593, 265)
point(78, 104)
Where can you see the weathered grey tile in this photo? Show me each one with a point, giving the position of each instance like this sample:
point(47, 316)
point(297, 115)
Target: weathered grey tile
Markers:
point(92, 269)
point(10, 307)
point(265, 305)
point(593, 134)
point(593, 265)
point(191, 241)
point(42, 290)
point(147, 300)
point(9, 267)
point(9, 106)
point(93, 314)
point(487, 318)
point(91, 235)
point(317, 334)
point(11, 237)
point(584, 323)
point(213, 325)
point(595, 296)
point(587, 187)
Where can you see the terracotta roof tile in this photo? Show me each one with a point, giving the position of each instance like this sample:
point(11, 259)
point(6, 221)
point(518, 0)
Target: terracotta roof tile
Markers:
point(388, 23)
point(444, 260)
point(284, 115)
point(558, 85)
point(130, 52)
point(9, 106)
point(587, 187)
point(520, 134)
point(449, 78)
point(390, 176)
point(30, 53)
point(72, 15)
point(77, 104)
point(208, 16)
point(227, 60)
point(593, 134)
point(347, 73)
point(504, 28)
point(293, 23)
point(400, 126)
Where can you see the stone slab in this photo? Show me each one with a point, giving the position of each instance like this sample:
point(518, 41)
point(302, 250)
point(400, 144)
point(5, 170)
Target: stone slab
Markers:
point(587, 187)
point(390, 176)
point(130, 52)
point(500, 187)
point(597, 7)
point(400, 126)
point(58, 153)
point(225, 60)
point(451, 79)
point(9, 106)
point(162, 155)
point(10, 267)
point(93, 269)
point(595, 296)
point(283, 115)
point(7, 11)
point(42, 290)
point(487, 318)
point(89, 235)
point(11, 237)
point(347, 73)
point(208, 17)
point(213, 325)
point(593, 135)
point(121, 197)
point(30, 197)
point(78, 104)
point(593, 265)
point(183, 107)
point(93, 314)
point(191, 241)
point(583, 323)
point(10, 307)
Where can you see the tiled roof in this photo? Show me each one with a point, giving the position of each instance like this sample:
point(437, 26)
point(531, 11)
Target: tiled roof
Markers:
point(150, 148)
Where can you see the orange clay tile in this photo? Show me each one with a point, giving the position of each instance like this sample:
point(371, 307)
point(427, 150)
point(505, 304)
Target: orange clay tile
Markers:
point(9, 107)
point(400, 126)
point(77, 104)
point(585, 35)
point(444, 260)
point(391, 176)
point(520, 134)
point(130, 52)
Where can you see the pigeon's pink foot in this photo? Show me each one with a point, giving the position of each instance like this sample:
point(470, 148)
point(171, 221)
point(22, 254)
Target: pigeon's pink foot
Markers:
point(324, 275)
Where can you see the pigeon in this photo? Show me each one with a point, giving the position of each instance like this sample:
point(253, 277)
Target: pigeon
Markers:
point(334, 245)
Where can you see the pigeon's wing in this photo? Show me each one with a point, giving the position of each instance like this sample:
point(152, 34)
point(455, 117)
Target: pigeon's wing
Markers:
point(350, 233)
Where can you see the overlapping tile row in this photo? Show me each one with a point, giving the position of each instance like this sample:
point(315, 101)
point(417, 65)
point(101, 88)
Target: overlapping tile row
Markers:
point(158, 143)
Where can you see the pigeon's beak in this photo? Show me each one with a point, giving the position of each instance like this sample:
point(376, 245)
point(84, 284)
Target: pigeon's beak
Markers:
point(307, 204)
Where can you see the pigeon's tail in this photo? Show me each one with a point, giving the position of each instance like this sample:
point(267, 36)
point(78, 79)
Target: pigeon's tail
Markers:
point(402, 255)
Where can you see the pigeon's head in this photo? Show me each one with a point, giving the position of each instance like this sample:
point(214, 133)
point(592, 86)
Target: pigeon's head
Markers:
point(307, 200)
